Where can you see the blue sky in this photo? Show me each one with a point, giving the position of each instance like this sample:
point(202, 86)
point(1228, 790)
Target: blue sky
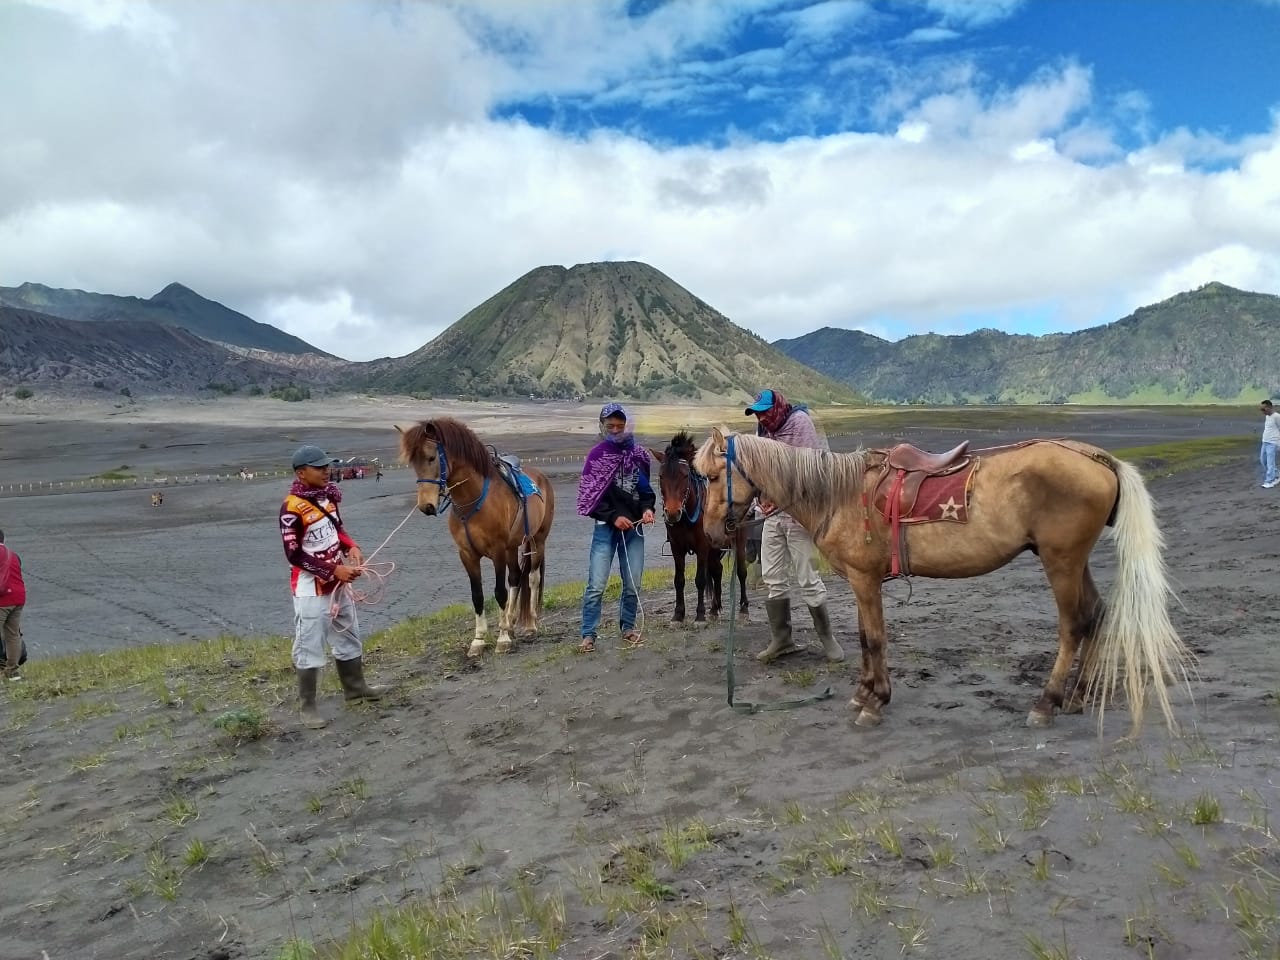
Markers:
point(363, 173)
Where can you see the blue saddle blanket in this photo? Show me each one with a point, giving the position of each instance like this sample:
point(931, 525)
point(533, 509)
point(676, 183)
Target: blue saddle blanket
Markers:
point(517, 479)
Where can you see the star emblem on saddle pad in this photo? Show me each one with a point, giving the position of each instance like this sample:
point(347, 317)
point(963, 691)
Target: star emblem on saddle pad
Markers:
point(950, 509)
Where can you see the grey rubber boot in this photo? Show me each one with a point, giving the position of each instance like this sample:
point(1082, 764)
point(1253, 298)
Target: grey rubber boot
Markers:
point(307, 681)
point(351, 673)
point(822, 624)
point(780, 644)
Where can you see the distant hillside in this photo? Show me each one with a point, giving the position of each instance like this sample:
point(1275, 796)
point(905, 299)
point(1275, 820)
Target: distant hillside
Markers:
point(175, 305)
point(1208, 345)
point(39, 350)
point(601, 329)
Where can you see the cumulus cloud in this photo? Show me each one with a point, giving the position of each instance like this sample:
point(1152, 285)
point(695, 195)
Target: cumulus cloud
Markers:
point(362, 179)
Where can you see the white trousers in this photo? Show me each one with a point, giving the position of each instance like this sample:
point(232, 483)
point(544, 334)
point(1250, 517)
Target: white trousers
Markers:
point(787, 561)
point(316, 627)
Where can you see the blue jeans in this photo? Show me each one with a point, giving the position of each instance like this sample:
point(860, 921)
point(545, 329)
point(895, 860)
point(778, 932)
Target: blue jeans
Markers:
point(606, 541)
point(1268, 458)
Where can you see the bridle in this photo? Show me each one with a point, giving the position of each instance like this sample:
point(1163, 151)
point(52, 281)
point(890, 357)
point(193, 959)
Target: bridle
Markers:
point(731, 522)
point(694, 483)
point(442, 481)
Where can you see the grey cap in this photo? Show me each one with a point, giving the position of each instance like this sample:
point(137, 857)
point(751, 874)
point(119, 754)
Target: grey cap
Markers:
point(310, 456)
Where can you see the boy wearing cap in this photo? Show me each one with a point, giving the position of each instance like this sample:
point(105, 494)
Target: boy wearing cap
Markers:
point(323, 557)
point(786, 549)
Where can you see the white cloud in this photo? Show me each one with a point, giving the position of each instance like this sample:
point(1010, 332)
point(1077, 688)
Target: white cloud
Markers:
point(341, 175)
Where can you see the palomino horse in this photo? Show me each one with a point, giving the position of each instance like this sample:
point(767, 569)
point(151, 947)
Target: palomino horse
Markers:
point(1052, 497)
point(683, 495)
point(157, 499)
point(488, 520)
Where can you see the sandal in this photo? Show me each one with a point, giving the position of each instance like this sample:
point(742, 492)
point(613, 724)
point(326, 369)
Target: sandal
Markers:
point(588, 645)
point(633, 639)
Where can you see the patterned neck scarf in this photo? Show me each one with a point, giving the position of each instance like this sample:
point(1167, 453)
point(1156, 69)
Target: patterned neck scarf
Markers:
point(330, 490)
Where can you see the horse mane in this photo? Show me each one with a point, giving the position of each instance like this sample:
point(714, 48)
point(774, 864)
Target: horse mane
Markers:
point(462, 446)
point(678, 449)
point(816, 480)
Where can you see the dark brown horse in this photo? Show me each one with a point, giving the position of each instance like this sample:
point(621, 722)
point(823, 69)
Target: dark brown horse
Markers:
point(1051, 497)
point(487, 520)
point(684, 494)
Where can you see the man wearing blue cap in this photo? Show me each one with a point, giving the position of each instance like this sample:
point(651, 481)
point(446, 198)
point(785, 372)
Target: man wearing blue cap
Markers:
point(324, 559)
point(786, 549)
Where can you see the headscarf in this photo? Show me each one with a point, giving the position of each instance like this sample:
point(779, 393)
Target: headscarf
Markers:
point(771, 420)
point(611, 457)
point(330, 490)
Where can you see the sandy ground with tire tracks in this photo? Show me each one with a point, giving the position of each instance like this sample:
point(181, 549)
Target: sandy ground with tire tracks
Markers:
point(610, 805)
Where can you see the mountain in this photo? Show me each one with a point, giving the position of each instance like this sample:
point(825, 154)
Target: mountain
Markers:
point(1207, 345)
point(131, 355)
point(618, 329)
point(175, 305)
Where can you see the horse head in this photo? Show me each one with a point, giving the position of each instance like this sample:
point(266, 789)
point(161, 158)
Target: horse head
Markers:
point(676, 478)
point(444, 453)
point(729, 489)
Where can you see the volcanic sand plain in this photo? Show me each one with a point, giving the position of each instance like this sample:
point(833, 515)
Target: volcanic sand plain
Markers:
point(161, 800)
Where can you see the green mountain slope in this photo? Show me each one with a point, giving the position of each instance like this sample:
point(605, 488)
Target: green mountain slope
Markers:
point(1208, 345)
point(601, 329)
point(175, 305)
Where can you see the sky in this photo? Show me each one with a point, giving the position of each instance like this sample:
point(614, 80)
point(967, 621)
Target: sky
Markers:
point(361, 174)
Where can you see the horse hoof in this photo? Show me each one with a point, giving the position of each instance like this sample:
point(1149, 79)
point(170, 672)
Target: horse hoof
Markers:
point(1073, 706)
point(857, 702)
point(868, 718)
point(476, 649)
point(1037, 719)
point(503, 646)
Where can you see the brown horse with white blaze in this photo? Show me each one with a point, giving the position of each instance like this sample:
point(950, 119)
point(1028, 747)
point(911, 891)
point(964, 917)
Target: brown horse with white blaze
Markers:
point(487, 520)
point(1052, 497)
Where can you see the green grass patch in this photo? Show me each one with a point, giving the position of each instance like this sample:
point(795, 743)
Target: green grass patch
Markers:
point(1163, 459)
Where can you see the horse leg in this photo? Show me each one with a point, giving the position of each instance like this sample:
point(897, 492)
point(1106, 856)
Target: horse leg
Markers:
point(471, 564)
point(508, 582)
point(874, 689)
point(1089, 615)
point(1066, 577)
point(700, 583)
point(678, 555)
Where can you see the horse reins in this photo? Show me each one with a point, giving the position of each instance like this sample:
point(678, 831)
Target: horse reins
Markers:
point(730, 462)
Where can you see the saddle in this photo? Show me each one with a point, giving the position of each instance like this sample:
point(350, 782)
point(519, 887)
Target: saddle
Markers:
point(906, 468)
point(896, 488)
point(513, 476)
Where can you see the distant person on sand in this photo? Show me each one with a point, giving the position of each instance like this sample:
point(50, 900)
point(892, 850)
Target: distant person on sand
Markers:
point(13, 598)
point(786, 549)
point(616, 493)
point(1270, 439)
point(324, 559)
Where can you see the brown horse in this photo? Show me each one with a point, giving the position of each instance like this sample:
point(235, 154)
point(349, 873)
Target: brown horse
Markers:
point(1050, 497)
point(487, 520)
point(683, 494)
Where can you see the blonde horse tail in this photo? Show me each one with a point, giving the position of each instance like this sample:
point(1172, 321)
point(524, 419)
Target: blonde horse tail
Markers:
point(1137, 646)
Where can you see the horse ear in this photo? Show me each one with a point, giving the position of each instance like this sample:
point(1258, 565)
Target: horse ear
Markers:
point(658, 455)
point(718, 441)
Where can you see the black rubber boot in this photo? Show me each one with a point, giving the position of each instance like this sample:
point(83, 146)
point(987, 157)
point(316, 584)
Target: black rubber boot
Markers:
point(351, 673)
point(307, 682)
point(780, 644)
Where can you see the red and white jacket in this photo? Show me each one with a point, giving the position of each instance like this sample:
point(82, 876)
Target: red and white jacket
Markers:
point(314, 543)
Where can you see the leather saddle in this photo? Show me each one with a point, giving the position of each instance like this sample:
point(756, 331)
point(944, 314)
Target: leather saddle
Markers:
point(906, 467)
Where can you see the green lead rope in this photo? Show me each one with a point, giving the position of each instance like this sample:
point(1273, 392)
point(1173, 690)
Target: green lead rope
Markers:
point(741, 706)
